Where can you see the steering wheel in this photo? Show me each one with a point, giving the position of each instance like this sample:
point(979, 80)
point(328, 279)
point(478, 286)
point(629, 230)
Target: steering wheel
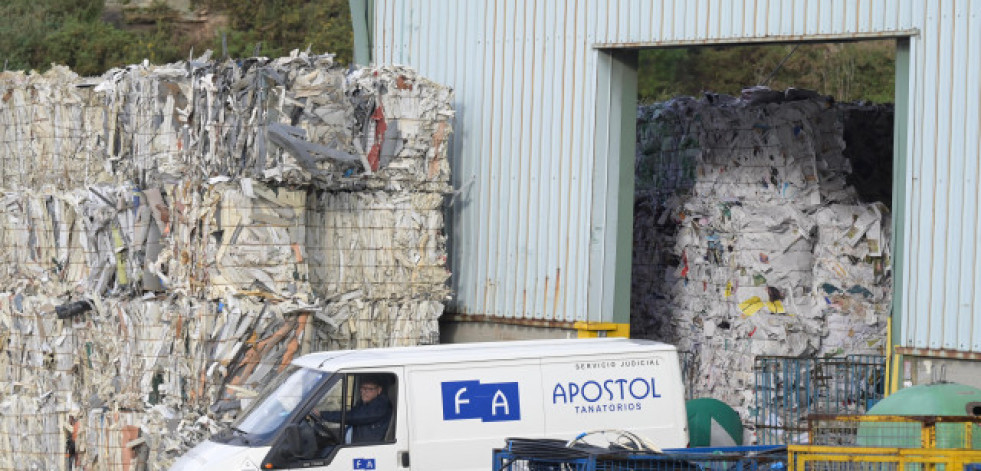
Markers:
point(320, 429)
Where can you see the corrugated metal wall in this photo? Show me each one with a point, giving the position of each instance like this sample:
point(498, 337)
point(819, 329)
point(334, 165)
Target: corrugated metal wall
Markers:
point(524, 78)
point(941, 298)
point(703, 21)
point(525, 155)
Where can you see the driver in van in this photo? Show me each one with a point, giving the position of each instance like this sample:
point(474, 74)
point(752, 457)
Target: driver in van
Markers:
point(370, 417)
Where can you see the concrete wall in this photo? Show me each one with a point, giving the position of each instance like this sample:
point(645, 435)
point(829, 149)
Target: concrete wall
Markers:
point(920, 370)
point(477, 331)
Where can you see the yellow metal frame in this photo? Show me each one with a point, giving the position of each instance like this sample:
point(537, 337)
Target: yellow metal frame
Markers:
point(589, 330)
point(890, 374)
point(893, 361)
point(798, 456)
point(928, 423)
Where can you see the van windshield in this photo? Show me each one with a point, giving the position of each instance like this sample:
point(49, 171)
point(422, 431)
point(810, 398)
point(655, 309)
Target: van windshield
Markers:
point(278, 401)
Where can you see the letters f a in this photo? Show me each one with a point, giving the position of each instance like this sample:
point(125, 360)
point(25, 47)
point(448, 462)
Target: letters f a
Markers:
point(458, 401)
point(500, 400)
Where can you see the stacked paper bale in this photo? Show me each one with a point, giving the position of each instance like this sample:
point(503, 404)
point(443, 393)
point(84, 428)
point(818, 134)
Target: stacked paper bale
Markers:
point(163, 253)
point(379, 256)
point(178, 348)
point(381, 266)
point(748, 240)
point(854, 297)
point(51, 131)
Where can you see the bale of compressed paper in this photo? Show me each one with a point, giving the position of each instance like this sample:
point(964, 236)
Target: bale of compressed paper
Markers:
point(173, 236)
point(747, 239)
point(294, 120)
point(379, 243)
point(52, 131)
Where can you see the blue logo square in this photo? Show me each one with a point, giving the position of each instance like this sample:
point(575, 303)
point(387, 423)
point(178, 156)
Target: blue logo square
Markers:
point(364, 463)
point(491, 402)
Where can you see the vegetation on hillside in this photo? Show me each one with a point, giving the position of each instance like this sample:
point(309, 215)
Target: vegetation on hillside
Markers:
point(34, 34)
point(846, 71)
point(84, 36)
point(279, 26)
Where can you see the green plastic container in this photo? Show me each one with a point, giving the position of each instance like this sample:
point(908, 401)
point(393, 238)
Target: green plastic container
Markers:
point(713, 423)
point(943, 399)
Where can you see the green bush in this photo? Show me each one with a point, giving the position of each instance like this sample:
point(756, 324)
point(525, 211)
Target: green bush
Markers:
point(280, 26)
point(846, 71)
point(37, 33)
point(89, 48)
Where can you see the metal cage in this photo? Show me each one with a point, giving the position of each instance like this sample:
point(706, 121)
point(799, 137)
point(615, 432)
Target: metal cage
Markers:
point(787, 390)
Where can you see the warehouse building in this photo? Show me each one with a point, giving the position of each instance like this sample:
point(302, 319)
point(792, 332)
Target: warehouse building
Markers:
point(543, 160)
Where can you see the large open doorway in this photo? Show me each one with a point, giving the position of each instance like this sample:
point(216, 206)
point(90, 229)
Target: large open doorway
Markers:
point(763, 219)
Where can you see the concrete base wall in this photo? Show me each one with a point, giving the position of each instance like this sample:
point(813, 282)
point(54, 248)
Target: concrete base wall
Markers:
point(919, 370)
point(481, 331)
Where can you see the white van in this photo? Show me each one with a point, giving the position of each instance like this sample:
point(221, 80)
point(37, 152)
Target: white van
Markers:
point(450, 405)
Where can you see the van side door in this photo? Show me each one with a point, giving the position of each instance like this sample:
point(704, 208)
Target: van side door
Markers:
point(461, 411)
point(355, 423)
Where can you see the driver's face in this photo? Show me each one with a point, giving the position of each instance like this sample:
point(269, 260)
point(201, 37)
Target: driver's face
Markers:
point(369, 391)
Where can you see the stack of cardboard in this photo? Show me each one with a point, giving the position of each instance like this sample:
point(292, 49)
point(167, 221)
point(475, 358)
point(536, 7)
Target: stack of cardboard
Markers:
point(173, 236)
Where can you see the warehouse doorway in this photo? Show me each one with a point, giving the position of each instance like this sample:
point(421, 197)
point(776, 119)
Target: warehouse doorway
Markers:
point(840, 151)
point(709, 287)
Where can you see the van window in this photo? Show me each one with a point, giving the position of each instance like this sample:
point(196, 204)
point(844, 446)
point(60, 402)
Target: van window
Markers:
point(356, 411)
point(280, 399)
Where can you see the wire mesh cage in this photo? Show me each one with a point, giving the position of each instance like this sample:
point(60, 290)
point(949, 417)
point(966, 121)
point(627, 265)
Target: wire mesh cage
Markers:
point(812, 458)
point(888, 442)
point(890, 431)
point(787, 390)
point(880, 462)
